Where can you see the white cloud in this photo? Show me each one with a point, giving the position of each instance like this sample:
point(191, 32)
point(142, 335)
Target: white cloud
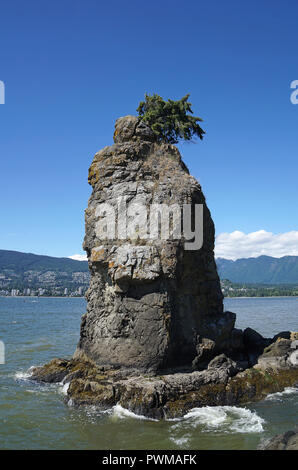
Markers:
point(241, 245)
point(248, 245)
point(78, 257)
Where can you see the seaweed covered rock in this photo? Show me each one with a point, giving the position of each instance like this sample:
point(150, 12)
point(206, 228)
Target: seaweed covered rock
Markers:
point(169, 395)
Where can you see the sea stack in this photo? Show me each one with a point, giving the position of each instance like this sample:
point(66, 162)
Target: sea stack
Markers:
point(152, 304)
point(155, 338)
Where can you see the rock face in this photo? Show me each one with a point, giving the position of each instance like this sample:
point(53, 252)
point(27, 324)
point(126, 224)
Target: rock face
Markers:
point(155, 337)
point(152, 304)
point(286, 441)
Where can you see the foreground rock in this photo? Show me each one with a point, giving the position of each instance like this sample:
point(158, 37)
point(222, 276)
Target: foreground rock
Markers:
point(172, 395)
point(155, 337)
point(286, 441)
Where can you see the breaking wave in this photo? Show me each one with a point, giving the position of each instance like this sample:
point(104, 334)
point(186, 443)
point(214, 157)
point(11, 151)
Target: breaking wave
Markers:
point(226, 419)
point(278, 396)
point(64, 387)
point(229, 419)
point(21, 375)
point(222, 419)
point(119, 412)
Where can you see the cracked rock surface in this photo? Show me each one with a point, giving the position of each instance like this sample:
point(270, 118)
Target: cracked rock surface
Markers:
point(151, 302)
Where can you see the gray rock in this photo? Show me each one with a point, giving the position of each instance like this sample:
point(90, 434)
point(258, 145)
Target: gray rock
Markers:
point(206, 349)
point(282, 334)
point(253, 339)
point(150, 300)
point(165, 395)
point(130, 128)
point(279, 348)
point(254, 344)
point(236, 340)
point(286, 441)
point(282, 354)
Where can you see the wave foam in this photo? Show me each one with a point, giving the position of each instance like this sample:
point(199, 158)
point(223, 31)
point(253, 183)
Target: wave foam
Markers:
point(180, 441)
point(223, 419)
point(119, 412)
point(64, 388)
point(279, 395)
point(21, 375)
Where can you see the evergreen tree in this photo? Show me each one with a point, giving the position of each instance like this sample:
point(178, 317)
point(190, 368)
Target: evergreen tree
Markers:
point(170, 120)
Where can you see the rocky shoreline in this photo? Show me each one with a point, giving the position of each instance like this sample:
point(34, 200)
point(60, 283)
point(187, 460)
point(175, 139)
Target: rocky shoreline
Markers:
point(171, 395)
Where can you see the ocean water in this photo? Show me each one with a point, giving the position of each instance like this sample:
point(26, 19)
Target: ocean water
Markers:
point(34, 416)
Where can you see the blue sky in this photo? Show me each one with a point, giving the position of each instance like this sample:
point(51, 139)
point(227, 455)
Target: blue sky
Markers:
point(72, 67)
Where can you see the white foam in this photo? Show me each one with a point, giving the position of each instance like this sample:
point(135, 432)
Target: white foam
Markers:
point(122, 413)
point(223, 419)
point(279, 395)
point(64, 388)
point(21, 375)
point(209, 415)
point(180, 441)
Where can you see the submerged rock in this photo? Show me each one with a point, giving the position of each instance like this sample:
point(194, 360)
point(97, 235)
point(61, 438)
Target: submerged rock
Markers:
point(286, 441)
point(155, 337)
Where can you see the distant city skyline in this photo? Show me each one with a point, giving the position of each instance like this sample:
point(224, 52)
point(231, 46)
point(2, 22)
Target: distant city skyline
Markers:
point(72, 68)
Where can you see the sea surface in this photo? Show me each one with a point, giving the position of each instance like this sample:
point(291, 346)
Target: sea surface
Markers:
point(34, 416)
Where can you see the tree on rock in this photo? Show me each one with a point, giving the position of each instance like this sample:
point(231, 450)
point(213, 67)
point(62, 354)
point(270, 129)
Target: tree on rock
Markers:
point(170, 120)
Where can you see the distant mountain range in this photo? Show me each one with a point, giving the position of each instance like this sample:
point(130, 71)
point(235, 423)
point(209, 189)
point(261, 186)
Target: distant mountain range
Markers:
point(261, 270)
point(20, 262)
point(17, 266)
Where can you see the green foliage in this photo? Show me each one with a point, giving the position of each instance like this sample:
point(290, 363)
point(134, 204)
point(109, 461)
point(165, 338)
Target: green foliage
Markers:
point(230, 289)
point(169, 120)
